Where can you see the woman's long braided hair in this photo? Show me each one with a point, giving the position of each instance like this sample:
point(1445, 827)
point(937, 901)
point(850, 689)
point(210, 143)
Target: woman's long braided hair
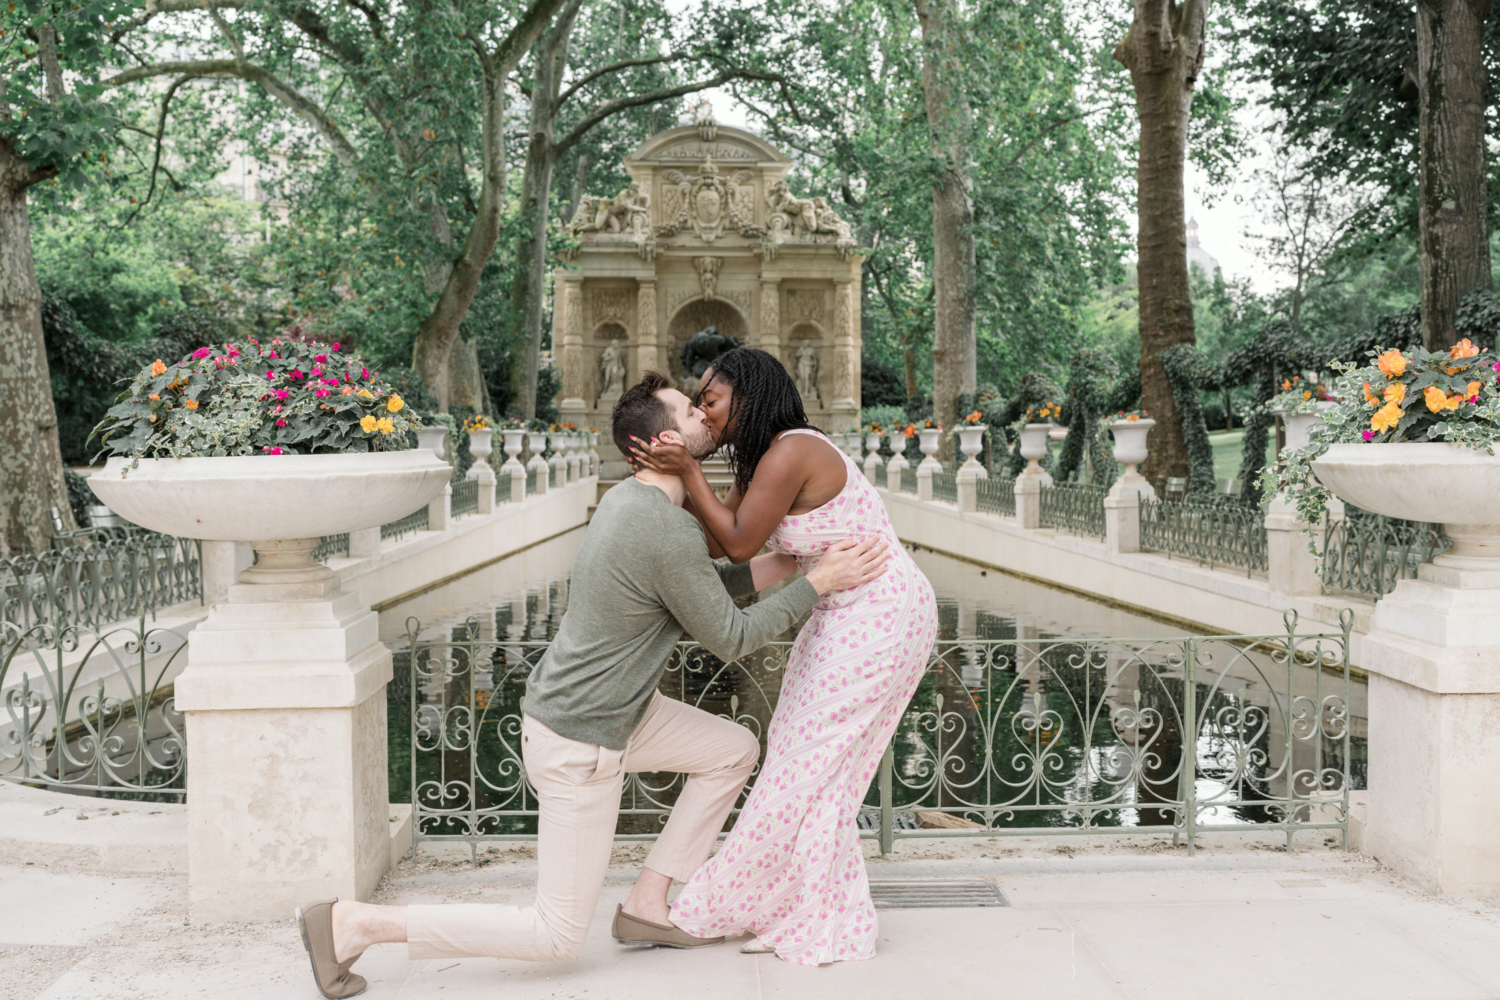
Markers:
point(763, 402)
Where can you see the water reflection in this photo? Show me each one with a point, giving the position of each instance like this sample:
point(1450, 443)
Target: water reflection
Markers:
point(1001, 733)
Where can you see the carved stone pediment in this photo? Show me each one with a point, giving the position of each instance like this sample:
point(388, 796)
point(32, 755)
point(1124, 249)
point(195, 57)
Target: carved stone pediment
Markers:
point(707, 202)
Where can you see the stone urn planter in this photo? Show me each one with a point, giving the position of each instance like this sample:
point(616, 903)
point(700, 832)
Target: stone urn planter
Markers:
point(1299, 425)
point(515, 440)
point(1433, 656)
point(1035, 443)
point(284, 689)
point(555, 442)
point(593, 452)
point(481, 446)
point(971, 443)
point(873, 464)
point(931, 439)
point(227, 499)
point(434, 439)
point(1130, 442)
point(898, 452)
point(536, 442)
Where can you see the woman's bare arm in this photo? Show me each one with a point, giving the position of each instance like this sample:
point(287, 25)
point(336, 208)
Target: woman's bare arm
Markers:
point(783, 471)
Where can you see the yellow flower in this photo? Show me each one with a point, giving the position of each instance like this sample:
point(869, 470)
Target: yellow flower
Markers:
point(1370, 396)
point(191, 404)
point(1306, 394)
point(394, 404)
point(1463, 349)
point(365, 393)
point(1392, 364)
point(1386, 417)
point(158, 368)
point(367, 424)
point(1395, 392)
point(385, 425)
point(1454, 401)
point(1437, 399)
point(1472, 389)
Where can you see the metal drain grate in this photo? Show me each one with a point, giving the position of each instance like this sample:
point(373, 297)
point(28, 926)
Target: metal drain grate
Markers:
point(934, 893)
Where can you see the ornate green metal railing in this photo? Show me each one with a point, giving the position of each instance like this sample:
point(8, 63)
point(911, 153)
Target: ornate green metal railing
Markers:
point(330, 546)
point(114, 575)
point(945, 486)
point(1074, 507)
point(1019, 736)
point(89, 710)
point(530, 481)
point(466, 496)
point(909, 479)
point(996, 494)
point(415, 521)
point(1218, 534)
point(1367, 553)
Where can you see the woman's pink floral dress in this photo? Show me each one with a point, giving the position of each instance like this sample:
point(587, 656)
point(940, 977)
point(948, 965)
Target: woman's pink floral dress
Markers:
point(792, 870)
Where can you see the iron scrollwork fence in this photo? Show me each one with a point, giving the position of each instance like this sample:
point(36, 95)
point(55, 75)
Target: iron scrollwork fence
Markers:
point(1367, 554)
point(1224, 534)
point(114, 575)
point(997, 494)
point(1017, 736)
point(945, 486)
point(466, 496)
point(909, 479)
point(1074, 507)
point(415, 521)
point(330, 546)
point(89, 710)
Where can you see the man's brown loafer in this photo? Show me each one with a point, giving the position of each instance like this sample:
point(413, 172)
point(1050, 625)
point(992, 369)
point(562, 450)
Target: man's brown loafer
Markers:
point(647, 933)
point(335, 981)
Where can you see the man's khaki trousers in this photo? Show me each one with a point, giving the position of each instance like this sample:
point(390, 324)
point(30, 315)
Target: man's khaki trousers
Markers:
point(578, 788)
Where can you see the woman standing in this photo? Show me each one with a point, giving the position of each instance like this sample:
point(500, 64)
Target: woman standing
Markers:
point(792, 870)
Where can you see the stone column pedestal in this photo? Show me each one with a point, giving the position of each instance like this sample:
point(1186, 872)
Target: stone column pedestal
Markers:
point(924, 482)
point(1029, 500)
point(517, 483)
point(968, 491)
point(486, 479)
point(1433, 656)
point(287, 792)
point(893, 470)
point(364, 544)
point(1122, 512)
point(440, 510)
point(222, 564)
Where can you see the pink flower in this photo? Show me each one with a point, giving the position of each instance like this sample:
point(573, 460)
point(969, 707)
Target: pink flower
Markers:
point(281, 423)
point(316, 371)
point(202, 353)
point(321, 358)
point(269, 450)
point(279, 408)
point(1369, 435)
point(335, 347)
point(281, 394)
point(321, 393)
point(364, 373)
point(270, 375)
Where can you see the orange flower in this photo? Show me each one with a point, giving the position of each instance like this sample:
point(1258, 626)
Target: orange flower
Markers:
point(1306, 395)
point(1463, 349)
point(1386, 417)
point(1392, 364)
point(1370, 396)
point(1436, 398)
point(1395, 392)
point(1454, 401)
point(155, 396)
point(1472, 389)
point(191, 404)
point(158, 368)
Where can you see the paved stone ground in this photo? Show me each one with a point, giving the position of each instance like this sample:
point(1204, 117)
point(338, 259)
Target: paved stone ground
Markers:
point(1089, 918)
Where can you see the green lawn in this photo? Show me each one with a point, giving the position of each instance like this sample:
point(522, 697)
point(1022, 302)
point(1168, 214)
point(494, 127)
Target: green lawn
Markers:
point(1226, 445)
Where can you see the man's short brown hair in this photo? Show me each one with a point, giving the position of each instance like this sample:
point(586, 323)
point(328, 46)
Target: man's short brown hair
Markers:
point(640, 413)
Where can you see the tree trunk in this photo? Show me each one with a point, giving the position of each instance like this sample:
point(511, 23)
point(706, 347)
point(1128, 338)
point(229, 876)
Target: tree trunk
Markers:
point(954, 355)
point(436, 335)
point(909, 363)
point(1453, 207)
point(1163, 51)
point(529, 289)
point(31, 469)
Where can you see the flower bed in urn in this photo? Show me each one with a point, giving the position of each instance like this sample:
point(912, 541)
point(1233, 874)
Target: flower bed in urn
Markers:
point(1442, 408)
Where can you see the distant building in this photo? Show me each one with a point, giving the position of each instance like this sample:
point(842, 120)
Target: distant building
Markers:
point(1196, 254)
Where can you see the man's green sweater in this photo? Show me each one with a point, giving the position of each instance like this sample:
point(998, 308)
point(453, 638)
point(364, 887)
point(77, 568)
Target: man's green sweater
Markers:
point(644, 577)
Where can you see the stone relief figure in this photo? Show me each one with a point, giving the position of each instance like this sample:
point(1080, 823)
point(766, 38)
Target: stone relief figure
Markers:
point(807, 371)
point(612, 366)
point(627, 212)
point(708, 274)
point(701, 350)
point(789, 214)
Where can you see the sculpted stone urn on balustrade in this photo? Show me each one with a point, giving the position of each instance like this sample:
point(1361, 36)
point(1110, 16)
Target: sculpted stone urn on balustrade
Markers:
point(284, 690)
point(1433, 656)
point(971, 443)
point(481, 446)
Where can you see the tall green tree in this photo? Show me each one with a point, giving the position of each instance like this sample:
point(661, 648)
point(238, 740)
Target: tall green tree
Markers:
point(50, 123)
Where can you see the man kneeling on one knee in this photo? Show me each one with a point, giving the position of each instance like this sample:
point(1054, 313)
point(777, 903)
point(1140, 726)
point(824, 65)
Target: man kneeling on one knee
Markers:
point(592, 713)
